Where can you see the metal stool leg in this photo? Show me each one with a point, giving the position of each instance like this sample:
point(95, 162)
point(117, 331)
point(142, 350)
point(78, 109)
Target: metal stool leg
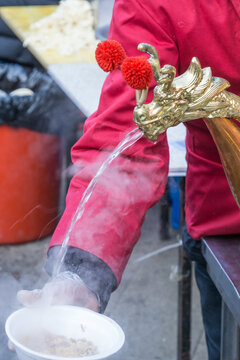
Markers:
point(184, 294)
point(184, 307)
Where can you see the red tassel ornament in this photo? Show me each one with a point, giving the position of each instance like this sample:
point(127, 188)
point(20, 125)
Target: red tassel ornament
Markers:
point(137, 72)
point(109, 55)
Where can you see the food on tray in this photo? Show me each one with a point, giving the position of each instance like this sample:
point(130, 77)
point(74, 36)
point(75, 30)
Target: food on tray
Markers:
point(58, 345)
point(67, 30)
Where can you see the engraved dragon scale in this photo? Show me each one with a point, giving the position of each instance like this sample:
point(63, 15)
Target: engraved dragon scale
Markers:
point(194, 94)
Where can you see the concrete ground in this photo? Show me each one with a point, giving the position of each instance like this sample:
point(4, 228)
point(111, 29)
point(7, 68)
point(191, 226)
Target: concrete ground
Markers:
point(145, 304)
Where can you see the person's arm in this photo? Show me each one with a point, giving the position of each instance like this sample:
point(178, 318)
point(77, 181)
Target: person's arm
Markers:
point(111, 222)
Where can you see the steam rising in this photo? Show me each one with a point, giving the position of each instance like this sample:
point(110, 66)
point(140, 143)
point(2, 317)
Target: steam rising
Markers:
point(129, 140)
point(124, 181)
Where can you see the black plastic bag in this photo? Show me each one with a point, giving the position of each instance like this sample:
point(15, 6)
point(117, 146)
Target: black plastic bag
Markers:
point(46, 110)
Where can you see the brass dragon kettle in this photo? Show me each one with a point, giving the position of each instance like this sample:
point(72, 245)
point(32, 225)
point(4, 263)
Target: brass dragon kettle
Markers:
point(194, 94)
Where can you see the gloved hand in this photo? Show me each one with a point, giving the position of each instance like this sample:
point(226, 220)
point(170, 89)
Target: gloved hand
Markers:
point(65, 289)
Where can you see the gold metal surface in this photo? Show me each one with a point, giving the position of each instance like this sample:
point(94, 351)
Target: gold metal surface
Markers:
point(193, 95)
point(226, 135)
point(19, 19)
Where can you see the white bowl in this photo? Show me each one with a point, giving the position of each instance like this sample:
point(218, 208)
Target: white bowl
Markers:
point(69, 321)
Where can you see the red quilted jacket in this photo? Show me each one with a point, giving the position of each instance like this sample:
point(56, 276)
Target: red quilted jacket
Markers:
point(111, 222)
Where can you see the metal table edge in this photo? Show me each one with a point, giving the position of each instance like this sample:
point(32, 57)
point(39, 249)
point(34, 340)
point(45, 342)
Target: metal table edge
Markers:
point(222, 281)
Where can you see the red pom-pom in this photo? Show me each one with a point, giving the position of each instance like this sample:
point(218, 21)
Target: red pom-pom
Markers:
point(109, 55)
point(137, 72)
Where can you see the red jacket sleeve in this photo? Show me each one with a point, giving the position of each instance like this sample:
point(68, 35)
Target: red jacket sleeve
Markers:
point(111, 222)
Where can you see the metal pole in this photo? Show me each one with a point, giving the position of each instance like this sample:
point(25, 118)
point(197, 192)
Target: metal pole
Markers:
point(184, 294)
point(184, 307)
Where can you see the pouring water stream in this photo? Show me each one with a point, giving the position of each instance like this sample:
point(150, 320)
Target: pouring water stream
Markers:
point(131, 138)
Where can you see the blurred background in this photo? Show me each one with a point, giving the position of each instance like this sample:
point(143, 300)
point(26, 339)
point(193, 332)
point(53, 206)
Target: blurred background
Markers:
point(44, 101)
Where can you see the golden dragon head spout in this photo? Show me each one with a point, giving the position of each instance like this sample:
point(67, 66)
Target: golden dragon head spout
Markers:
point(142, 118)
point(194, 94)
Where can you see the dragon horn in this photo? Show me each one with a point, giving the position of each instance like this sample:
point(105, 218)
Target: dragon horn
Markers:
point(153, 60)
point(141, 96)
